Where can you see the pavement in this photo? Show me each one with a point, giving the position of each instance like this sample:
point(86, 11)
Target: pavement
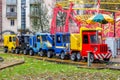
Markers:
point(116, 59)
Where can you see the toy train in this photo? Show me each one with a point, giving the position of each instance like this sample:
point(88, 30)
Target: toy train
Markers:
point(72, 45)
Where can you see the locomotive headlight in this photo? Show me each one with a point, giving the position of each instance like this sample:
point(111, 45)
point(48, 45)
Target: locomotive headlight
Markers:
point(67, 46)
point(95, 48)
point(27, 44)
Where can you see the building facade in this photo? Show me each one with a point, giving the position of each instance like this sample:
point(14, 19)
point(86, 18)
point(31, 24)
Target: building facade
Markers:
point(9, 15)
point(40, 14)
point(0, 17)
point(15, 15)
point(18, 15)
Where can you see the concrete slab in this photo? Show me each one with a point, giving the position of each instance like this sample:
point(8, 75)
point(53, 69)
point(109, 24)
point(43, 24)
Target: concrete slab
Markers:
point(6, 64)
point(116, 59)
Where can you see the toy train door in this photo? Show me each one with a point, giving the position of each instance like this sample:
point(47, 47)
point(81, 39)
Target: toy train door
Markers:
point(12, 42)
point(58, 43)
point(32, 41)
point(85, 44)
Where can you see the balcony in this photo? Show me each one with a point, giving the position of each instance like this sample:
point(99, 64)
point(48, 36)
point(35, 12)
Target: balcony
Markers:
point(11, 15)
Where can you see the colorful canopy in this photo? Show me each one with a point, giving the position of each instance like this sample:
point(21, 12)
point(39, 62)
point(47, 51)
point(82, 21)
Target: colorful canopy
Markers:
point(101, 18)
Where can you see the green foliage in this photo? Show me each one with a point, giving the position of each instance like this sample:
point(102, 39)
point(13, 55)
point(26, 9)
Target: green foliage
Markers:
point(39, 19)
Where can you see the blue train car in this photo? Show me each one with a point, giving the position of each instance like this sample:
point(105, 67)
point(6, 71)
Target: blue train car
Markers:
point(58, 44)
point(47, 45)
point(62, 44)
point(39, 44)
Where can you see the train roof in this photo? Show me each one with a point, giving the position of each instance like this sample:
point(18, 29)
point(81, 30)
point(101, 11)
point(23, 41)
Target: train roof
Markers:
point(39, 33)
point(61, 33)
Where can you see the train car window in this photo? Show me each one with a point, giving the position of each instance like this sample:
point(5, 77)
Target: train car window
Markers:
point(66, 38)
point(85, 39)
point(31, 41)
point(14, 38)
point(10, 39)
point(58, 39)
point(22, 39)
point(44, 38)
point(26, 39)
point(93, 39)
point(38, 38)
point(35, 45)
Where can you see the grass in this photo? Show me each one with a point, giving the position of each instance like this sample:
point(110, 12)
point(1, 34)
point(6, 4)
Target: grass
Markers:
point(34, 69)
point(1, 48)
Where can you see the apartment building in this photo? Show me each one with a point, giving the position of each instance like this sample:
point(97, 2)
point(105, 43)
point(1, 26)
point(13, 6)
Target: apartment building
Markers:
point(15, 15)
point(18, 15)
point(9, 15)
point(0, 17)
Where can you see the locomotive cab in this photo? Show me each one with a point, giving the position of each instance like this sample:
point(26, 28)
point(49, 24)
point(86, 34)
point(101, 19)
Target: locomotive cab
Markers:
point(92, 42)
point(89, 40)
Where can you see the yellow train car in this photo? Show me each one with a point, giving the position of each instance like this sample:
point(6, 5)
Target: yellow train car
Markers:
point(9, 43)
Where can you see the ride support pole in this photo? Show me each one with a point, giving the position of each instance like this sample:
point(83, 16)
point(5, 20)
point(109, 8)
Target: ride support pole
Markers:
point(88, 59)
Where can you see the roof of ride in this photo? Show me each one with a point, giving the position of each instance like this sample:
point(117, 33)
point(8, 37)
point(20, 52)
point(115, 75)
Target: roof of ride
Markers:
point(39, 33)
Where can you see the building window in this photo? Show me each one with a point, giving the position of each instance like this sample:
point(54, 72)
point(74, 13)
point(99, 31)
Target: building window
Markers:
point(12, 22)
point(12, 9)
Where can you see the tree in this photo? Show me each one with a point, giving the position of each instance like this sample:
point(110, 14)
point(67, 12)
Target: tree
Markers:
point(39, 16)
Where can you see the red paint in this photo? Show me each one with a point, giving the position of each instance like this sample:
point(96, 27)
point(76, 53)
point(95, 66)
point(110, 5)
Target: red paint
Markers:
point(69, 16)
point(101, 49)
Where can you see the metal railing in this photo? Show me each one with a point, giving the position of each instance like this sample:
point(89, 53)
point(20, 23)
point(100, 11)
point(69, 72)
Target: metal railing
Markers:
point(11, 14)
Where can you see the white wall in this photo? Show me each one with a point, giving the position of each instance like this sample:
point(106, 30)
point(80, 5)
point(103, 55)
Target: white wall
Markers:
point(5, 21)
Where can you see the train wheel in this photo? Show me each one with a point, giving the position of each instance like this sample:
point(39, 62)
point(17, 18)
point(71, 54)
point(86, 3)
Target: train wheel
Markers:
point(91, 58)
point(31, 53)
point(25, 52)
point(5, 50)
point(41, 53)
point(73, 57)
point(79, 57)
point(17, 51)
point(62, 56)
point(13, 51)
point(49, 54)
